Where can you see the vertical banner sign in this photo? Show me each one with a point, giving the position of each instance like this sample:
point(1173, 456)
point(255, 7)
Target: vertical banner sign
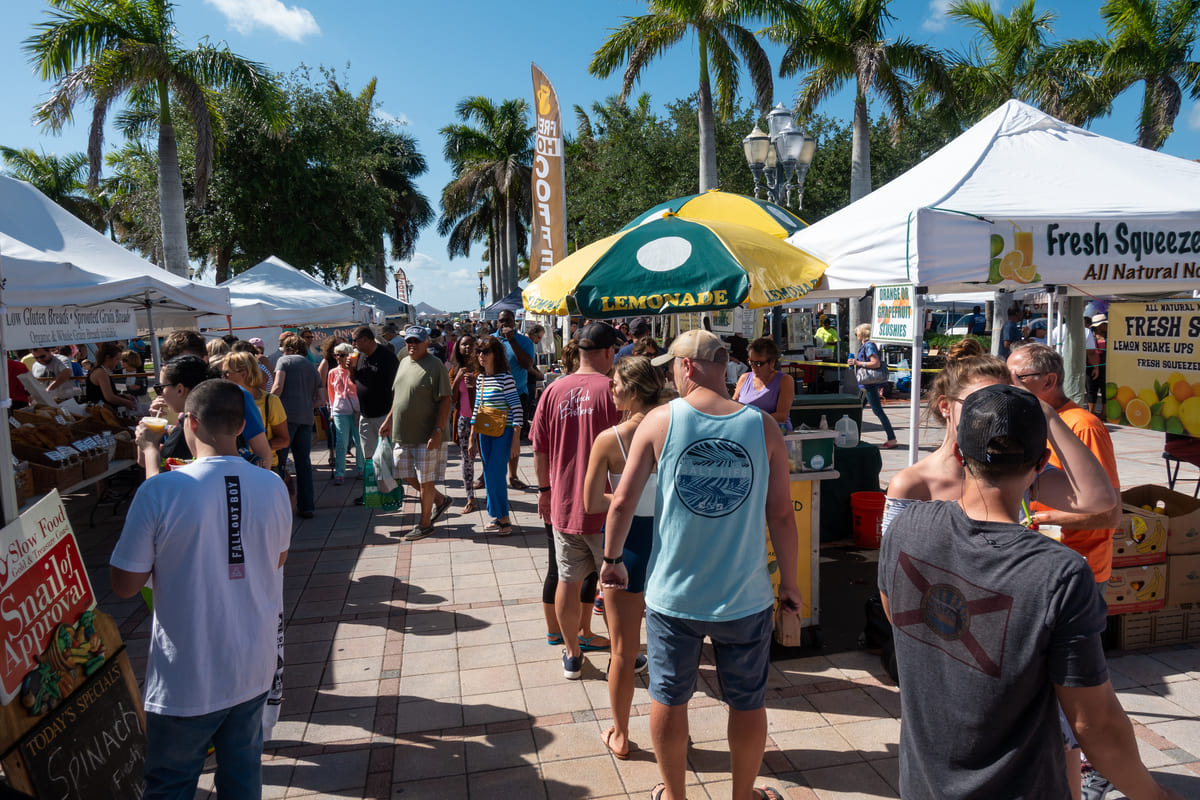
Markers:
point(401, 285)
point(549, 242)
point(1153, 372)
point(893, 314)
point(42, 583)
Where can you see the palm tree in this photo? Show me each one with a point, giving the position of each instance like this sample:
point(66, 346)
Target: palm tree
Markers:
point(491, 153)
point(840, 40)
point(720, 39)
point(102, 50)
point(58, 177)
point(1151, 41)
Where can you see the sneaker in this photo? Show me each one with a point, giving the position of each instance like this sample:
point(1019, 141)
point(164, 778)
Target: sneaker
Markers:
point(418, 533)
point(598, 606)
point(1095, 785)
point(640, 664)
point(338, 480)
point(572, 666)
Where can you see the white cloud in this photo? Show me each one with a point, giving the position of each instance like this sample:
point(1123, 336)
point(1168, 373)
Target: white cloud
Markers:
point(1193, 118)
point(395, 119)
point(936, 21)
point(441, 285)
point(290, 22)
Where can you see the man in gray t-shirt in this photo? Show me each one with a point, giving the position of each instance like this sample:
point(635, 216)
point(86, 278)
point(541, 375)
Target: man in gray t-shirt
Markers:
point(296, 382)
point(993, 624)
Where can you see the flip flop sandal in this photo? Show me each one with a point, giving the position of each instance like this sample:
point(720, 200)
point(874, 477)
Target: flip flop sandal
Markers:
point(517, 483)
point(470, 507)
point(767, 793)
point(504, 530)
point(586, 643)
point(606, 737)
point(554, 639)
point(492, 526)
point(657, 792)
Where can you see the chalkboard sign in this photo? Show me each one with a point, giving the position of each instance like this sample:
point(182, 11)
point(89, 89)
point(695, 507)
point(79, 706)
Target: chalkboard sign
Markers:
point(92, 745)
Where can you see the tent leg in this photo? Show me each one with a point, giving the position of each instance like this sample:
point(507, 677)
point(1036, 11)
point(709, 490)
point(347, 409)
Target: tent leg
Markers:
point(8, 486)
point(914, 402)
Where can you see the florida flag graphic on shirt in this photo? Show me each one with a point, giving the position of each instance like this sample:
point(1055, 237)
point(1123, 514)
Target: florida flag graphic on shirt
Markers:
point(941, 609)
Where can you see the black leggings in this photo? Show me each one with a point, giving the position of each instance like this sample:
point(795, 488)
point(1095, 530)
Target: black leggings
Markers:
point(587, 591)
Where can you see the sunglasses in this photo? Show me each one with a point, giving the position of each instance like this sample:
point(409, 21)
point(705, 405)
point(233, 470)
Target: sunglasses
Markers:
point(158, 387)
point(759, 363)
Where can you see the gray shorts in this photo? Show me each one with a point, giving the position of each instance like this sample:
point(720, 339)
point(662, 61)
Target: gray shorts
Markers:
point(418, 461)
point(578, 554)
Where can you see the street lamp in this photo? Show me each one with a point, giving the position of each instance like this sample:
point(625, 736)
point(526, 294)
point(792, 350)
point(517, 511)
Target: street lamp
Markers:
point(780, 155)
point(482, 291)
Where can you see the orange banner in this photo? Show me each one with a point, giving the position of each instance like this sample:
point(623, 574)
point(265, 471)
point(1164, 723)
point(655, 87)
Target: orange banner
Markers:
point(549, 242)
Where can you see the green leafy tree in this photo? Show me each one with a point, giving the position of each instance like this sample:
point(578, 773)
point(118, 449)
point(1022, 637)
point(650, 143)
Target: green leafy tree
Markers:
point(99, 51)
point(1151, 42)
point(720, 40)
point(839, 40)
point(60, 178)
point(490, 152)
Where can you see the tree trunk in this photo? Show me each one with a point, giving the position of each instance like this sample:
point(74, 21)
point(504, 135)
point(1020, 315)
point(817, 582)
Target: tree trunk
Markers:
point(172, 218)
point(708, 139)
point(222, 256)
point(512, 268)
point(376, 274)
point(860, 155)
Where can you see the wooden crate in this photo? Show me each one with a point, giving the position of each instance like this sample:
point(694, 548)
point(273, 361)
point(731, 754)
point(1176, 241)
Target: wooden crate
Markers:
point(1153, 628)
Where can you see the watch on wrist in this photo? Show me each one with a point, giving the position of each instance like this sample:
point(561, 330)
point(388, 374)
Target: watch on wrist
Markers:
point(543, 489)
point(618, 560)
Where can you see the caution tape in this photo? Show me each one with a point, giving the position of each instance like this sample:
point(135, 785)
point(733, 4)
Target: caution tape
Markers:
point(847, 366)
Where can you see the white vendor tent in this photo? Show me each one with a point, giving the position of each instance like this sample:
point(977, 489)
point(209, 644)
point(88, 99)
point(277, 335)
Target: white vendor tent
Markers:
point(49, 257)
point(274, 293)
point(390, 306)
point(1087, 212)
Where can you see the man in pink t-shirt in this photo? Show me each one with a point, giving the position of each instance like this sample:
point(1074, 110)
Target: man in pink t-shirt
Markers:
point(571, 413)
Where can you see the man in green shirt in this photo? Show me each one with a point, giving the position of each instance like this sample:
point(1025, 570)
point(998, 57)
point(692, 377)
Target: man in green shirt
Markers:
point(421, 403)
point(825, 334)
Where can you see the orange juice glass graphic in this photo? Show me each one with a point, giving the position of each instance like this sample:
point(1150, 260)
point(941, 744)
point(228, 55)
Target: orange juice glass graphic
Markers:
point(1023, 241)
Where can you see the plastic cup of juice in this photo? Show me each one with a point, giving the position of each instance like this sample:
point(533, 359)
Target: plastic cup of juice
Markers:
point(1023, 241)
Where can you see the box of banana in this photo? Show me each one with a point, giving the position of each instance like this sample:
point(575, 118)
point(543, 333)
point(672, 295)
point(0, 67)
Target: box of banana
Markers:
point(1140, 588)
point(1182, 513)
point(1141, 538)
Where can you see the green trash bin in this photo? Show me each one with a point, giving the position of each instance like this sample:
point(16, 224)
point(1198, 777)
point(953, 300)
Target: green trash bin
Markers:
point(808, 408)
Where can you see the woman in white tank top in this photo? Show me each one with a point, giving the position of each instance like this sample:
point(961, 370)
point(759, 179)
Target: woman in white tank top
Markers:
point(637, 387)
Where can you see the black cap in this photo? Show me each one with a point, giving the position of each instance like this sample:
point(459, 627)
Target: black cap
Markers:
point(1002, 410)
point(597, 336)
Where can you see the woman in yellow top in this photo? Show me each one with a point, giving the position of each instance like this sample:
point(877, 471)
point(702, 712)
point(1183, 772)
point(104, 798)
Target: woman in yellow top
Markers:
point(242, 369)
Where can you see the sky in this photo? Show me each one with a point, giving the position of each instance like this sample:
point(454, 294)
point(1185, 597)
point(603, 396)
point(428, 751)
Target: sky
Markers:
point(426, 61)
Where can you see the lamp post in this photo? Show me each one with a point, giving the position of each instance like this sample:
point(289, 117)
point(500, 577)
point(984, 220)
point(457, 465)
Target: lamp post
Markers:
point(482, 291)
point(779, 156)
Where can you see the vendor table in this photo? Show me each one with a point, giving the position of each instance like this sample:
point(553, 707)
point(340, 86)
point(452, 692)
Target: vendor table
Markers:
point(808, 408)
point(806, 504)
point(120, 465)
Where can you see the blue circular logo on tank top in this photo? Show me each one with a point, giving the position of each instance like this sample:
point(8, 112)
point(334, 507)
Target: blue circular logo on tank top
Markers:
point(713, 477)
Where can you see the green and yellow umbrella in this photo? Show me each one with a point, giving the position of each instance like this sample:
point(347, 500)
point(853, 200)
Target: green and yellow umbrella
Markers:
point(728, 207)
point(671, 265)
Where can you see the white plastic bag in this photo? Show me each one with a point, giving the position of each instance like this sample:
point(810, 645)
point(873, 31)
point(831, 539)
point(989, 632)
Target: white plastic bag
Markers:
point(385, 471)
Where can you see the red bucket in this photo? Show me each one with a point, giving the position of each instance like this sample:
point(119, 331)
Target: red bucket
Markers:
point(866, 512)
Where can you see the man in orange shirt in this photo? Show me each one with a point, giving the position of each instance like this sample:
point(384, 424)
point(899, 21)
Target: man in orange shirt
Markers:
point(1039, 369)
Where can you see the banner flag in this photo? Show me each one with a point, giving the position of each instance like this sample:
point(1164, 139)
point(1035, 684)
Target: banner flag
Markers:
point(549, 242)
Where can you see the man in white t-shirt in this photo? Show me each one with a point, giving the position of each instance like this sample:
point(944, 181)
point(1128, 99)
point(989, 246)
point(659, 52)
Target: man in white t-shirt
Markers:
point(212, 537)
point(50, 365)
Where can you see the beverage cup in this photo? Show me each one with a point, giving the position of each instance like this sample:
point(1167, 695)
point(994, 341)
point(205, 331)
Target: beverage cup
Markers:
point(156, 427)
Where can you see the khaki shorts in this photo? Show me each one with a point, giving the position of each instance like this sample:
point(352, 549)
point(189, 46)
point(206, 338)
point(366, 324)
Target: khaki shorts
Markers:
point(418, 461)
point(578, 555)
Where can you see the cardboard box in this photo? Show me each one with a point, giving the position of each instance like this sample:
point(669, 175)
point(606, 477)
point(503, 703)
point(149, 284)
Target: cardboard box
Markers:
point(1141, 538)
point(1183, 580)
point(1183, 528)
point(1141, 588)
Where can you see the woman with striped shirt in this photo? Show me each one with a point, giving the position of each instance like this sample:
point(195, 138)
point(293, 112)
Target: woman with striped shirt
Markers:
point(496, 391)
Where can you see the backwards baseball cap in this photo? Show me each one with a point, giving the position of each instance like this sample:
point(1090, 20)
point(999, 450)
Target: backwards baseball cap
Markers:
point(257, 342)
point(1002, 411)
point(416, 332)
point(597, 336)
point(698, 345)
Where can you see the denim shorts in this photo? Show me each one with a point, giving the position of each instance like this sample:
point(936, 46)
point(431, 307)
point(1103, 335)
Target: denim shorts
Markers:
point(742, 648)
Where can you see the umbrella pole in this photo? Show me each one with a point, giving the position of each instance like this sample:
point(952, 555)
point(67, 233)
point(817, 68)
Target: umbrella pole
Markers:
point(155, 351)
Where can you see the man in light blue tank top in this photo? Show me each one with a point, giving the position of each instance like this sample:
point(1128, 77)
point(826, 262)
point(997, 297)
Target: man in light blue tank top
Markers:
point(719, 465)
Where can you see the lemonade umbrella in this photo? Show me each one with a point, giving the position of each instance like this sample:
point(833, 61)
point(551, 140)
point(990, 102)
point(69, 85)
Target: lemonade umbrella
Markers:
point(670, 265)
point(729, 207)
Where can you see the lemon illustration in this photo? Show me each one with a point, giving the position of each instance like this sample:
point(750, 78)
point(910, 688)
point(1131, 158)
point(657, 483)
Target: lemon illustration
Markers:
point(1189, 415)
point(1148, 396)
point(1138, 413)
point(1170, 407)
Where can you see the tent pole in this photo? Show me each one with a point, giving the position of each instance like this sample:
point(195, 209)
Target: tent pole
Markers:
point(156, 353)
point(8, 486)
point(229, 322)
point(914, 398)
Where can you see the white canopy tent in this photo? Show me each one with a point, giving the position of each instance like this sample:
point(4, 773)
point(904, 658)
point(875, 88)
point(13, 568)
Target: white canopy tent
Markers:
point(1020, 199)
point(49, 257)
point(275, 294)
point(1091, 204)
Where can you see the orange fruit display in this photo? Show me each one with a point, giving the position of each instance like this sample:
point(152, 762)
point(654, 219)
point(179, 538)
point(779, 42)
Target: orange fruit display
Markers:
point(1138, 413)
